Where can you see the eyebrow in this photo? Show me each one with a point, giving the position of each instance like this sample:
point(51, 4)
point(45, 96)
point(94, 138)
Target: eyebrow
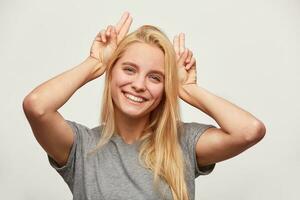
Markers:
point(136, 66)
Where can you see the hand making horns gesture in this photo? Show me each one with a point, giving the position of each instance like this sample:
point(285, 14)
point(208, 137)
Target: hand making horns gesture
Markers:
point(107, 40)
point(186, 63)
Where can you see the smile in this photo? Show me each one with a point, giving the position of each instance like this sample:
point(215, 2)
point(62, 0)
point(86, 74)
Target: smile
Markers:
point(134, 98)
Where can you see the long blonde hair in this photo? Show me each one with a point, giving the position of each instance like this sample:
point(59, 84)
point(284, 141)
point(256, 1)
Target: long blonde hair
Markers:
point(160, 149)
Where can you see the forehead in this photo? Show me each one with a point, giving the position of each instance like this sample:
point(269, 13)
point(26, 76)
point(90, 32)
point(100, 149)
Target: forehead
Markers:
point(144, 55)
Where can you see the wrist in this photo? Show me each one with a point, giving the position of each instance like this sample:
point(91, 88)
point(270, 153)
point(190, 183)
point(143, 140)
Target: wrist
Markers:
point(183, 89)
point(186, 93)
point(95, 66)
point(92, 60)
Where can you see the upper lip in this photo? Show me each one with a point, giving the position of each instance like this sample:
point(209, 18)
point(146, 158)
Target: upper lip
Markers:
point(136, 95)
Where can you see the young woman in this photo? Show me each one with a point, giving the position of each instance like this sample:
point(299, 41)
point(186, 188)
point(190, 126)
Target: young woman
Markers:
point(140, 149)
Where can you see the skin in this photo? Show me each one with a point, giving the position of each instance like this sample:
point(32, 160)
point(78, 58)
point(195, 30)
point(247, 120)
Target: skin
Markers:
point(41, 105)
point(239, 130)
point(134, 73)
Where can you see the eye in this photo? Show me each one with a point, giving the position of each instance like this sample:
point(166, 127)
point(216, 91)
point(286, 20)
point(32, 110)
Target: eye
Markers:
point(129, 69)
point(155, 78)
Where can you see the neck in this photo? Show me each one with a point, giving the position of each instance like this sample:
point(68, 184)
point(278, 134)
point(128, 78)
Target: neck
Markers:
point(130, 129)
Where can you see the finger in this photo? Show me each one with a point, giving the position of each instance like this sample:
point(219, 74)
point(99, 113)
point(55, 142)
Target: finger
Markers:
point(124, 29)
point(108, 30)
point(98, 37)
point(181, 42)
point(190, 55)
point(191, 64)
point(182, 58)
point(176, 45)
point(103, 37)
point(113, 35)
point(121, 22)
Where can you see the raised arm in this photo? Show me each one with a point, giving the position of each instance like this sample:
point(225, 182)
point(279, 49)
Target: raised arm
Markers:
point(239, 128)
point(41, 105)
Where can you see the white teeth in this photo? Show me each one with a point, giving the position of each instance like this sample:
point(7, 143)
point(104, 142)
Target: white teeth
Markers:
point(134, 98)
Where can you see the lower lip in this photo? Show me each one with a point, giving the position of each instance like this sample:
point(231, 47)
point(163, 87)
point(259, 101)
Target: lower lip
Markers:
point(134, 102)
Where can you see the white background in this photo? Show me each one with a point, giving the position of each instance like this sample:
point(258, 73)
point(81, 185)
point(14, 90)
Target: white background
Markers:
point(247, 52)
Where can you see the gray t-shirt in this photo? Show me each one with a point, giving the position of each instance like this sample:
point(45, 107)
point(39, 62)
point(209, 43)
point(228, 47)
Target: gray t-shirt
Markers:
point(114, 173)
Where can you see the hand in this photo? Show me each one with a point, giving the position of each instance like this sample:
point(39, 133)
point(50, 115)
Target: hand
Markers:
point(106, 41)
point(186, 63)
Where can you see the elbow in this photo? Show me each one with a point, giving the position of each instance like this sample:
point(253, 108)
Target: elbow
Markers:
point(31, 107)
point(258, 132)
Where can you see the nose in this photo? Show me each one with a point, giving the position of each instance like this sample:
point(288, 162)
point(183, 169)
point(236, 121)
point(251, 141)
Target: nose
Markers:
point(138, 84)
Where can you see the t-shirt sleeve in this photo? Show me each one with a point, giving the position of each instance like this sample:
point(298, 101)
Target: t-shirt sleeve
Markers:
point(68, 170)
point(192, 133)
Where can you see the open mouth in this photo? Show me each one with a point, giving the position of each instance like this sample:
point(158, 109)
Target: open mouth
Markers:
point(134, 99)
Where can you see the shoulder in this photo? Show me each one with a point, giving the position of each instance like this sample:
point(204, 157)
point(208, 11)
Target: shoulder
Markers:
point(84, 133)
point(190, 133)
point(191, 130)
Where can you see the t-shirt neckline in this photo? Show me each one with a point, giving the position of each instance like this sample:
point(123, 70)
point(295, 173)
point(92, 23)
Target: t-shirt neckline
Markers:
point(120, 139)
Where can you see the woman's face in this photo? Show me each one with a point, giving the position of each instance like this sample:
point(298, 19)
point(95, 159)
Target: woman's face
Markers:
point(137, 83)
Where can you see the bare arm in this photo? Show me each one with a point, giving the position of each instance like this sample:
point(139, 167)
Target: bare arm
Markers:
point(239, 128)
point(54, 93)
point(40, 107)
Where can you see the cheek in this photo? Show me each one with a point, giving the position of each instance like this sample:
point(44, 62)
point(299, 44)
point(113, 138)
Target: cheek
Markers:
point(122, 80)
point(157, 90)
point(119, 79)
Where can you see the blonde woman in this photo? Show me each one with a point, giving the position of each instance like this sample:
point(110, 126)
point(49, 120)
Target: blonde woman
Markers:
point(140, 149)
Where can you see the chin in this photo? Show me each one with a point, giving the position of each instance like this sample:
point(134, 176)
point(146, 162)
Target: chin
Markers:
point(134, 113)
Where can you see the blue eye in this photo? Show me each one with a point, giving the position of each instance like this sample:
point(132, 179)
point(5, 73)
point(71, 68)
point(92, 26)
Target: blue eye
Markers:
point(128, 69)
point(131, 70)
point(155, 78)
